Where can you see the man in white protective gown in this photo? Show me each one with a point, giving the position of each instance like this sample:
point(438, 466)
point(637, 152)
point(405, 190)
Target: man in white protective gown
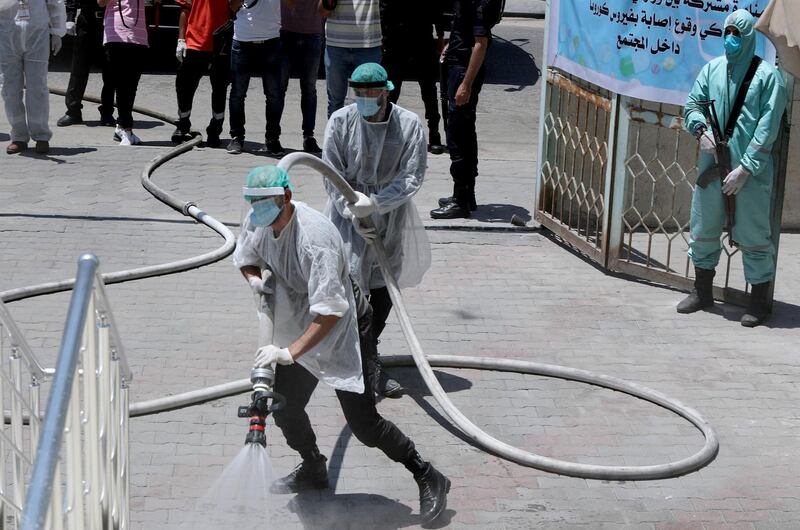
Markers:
point(29, 31)
point(322, 332)
point(380, 149)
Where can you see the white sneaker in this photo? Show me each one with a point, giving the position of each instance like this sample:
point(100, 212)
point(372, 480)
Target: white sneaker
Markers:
point(124, 137)
point(128, 138)
point(117, 136)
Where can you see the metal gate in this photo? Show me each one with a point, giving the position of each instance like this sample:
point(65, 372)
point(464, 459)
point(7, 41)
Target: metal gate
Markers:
point(615, 181)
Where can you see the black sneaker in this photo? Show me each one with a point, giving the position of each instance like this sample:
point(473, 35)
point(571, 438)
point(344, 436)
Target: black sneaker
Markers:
point(387, 386)
point(452, 210)
point(310, 145)
point(235, 146)
point(67, 119)
point(181, 133)
point(309, 475)
point(435, 146)
point(444, 201)
point(274, 148)
point(433, 490)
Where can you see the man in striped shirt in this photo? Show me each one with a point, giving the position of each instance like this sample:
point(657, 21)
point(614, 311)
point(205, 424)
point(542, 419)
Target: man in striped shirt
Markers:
point(353, 37)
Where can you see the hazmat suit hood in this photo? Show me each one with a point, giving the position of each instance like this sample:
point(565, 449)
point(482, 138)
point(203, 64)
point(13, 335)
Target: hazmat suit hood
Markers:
point(743, 21)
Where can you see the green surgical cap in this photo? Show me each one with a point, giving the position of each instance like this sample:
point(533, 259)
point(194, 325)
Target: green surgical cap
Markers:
point(267, 177)
point(371, 75)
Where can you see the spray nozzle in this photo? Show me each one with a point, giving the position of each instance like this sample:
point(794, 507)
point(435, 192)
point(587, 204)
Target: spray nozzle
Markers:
point(260, 406)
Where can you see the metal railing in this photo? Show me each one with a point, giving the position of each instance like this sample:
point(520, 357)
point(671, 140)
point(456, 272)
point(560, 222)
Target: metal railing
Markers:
point(616, 176)
point(76, 453)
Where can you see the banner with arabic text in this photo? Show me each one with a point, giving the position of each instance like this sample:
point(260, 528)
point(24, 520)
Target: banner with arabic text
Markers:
point(649, 49)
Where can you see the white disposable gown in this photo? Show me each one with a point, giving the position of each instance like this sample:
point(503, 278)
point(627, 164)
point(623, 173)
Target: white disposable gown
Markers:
point(387, 162)
point(311, 278)
point(24, 56)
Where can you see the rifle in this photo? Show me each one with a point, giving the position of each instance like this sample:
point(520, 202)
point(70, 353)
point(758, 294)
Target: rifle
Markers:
point(722, 166)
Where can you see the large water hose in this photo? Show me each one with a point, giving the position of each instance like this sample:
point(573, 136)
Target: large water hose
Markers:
point(187, 208)
point(418, 358)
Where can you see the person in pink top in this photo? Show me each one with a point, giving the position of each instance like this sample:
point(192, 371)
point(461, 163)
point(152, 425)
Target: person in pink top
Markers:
point(125, 43)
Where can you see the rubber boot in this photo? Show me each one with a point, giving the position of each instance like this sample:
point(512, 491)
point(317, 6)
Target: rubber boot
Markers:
point(702, 296)
point(311, 474)
point(759, 306)
point(433, 490)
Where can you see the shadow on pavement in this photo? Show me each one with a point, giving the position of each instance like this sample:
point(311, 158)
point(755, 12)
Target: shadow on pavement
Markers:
point(4, 137)
point(101, 218)
point(508, 64)
point(500, 213)
point(148, 124)
point(416, 389)
point(62, 151)
point(326, 510)
point(783, 316)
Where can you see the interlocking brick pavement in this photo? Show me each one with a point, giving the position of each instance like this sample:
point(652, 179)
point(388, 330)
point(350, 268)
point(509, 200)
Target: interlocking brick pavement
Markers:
point(513, 295)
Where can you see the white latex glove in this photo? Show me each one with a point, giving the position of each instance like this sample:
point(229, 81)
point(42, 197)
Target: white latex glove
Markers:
point(368, 234)
point(271, 354)
point(261, 285)
point(735, 180)
point(55, 44)
point(707, 143)
point(180, 50)
point(363, 206)
point(71, 28)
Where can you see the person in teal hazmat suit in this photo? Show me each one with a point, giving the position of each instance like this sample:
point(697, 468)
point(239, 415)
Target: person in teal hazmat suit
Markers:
point(752, 159)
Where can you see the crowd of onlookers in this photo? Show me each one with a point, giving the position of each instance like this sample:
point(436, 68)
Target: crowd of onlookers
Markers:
point(234, 40)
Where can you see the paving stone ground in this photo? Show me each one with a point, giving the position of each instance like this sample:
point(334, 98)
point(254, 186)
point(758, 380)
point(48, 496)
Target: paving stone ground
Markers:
point(514, 295)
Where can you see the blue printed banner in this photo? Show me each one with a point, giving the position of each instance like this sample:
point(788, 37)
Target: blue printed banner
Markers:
point(649, 49)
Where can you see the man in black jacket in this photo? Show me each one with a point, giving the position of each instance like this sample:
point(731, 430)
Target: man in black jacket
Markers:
point(409, 50)
point(463, 70)
point(87, 28)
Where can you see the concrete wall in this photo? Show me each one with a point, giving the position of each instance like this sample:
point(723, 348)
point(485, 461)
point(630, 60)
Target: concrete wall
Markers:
point(791, 204)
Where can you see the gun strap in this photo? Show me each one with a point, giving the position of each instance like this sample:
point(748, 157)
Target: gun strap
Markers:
point(740, 95)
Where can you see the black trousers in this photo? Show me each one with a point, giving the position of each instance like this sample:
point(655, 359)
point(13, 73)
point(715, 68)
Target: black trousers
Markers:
point(191, 71)
point(125, 63)
point(462, 139)
point(297, 384)
point(414, 56)
point(381, 307)
point(87, 50)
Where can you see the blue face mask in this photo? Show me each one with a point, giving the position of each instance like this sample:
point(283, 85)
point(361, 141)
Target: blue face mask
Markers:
point(367, 106)
point(264, 212)
point(732, 44)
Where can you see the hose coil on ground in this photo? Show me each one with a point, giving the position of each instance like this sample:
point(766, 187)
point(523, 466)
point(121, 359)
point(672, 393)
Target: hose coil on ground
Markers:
point(423, 363)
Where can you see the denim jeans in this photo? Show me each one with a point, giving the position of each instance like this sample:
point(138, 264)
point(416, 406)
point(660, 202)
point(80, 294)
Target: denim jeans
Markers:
point(301, 53)
point(259, 59)
point(339, 64)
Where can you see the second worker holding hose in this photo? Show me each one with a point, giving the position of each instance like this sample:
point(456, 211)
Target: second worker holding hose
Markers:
point(380, 150)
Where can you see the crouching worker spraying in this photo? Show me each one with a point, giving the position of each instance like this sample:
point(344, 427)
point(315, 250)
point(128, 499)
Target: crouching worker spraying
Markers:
point(746, 96)
point(322, 331)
